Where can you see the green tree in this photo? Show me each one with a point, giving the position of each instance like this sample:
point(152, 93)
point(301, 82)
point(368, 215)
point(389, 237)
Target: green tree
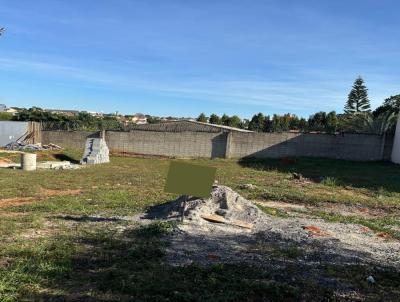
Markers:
point(267, 124)
point(285, 122)
point(153, 119)
point(276, 124)
point(357, 100)
point(244, 124)
point(5, 116)
point(317, 121)
point(202, 118)
point(331, 122)
point(215, 119)
point(257, 123)
point(366, 122)
point(234, 121)
point(225, 120)
point(303, 125)
point(391, 104)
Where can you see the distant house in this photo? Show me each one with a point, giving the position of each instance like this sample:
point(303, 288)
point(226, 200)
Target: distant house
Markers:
point(94, 113)
point(186, 125)
point(139, 119)
point(64, 112)
point(4, 108)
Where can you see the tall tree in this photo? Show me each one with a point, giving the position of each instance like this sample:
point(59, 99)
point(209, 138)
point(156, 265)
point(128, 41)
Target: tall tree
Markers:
point(332, 122)
point(202, 118)
point(303, 125)
point(244, 124)
point(276, 124)
point(317, 121)
point(225, 120)
point(234, 121)
point(257, 123)
point(357, 100)
point(215, 119)
point(391, 104)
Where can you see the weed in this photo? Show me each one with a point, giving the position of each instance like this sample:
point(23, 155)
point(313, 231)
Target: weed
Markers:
point(330, 182)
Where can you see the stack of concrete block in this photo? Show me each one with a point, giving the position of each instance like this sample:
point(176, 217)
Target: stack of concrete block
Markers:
point(96, 152)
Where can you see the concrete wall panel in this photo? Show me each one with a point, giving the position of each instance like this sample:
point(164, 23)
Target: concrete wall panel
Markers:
point(357, 147)
point(11, 131)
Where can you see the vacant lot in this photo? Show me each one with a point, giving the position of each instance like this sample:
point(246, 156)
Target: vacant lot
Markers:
point(74, 235)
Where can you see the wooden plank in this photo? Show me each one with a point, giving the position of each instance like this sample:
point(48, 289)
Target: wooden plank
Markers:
point(220, 219)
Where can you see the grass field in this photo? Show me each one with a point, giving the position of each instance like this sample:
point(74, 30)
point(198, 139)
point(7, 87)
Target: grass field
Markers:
point(46, 253)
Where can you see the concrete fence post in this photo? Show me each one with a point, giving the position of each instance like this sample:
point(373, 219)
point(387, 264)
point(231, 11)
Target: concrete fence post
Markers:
point(228, 145)
point(396, 144)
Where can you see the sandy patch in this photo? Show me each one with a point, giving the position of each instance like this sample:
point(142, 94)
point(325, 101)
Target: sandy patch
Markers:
point(44, 193)
point(51, 192)
point(16, 201)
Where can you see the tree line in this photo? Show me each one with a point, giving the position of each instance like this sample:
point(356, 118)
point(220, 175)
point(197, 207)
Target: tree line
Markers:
point(357, 117)
point(58, 121)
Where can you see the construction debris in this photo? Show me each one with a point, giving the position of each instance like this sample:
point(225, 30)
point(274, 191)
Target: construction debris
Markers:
point(96, 152)
point(35, 147)
point(225, 208)
point(57, 165)
point(221, 219)
point(46, 165)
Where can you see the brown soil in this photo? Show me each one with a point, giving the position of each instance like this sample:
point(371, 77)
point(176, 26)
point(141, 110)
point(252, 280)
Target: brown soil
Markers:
point(16, 201)
point(11, 214)
point(44, 193)
point(51, 192)
point(315, 231)
point(5, 161)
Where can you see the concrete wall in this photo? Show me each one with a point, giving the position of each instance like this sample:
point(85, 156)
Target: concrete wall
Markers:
point(68, 139)
point(11, 131)
point(184, 144)
point(357, 147)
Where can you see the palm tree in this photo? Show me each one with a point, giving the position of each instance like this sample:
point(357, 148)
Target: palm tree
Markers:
point(380, 124)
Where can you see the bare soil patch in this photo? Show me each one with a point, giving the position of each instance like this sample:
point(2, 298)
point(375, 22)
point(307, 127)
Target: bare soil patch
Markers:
point(44, 193)
point(52, 192)
point(16, 201)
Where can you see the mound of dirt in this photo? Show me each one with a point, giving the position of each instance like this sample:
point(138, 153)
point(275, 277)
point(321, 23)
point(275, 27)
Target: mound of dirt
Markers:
point(224, 208)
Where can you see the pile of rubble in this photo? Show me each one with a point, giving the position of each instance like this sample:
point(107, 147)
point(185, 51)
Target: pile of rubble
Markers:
point(96, 152)
point(57, 165)
point(45, 165)
point(35, 147)
point(225, 208)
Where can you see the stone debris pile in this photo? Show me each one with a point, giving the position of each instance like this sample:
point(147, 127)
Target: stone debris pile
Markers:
point(36, 147)
point(57, 165)
point(96, 152)
point(225, 208)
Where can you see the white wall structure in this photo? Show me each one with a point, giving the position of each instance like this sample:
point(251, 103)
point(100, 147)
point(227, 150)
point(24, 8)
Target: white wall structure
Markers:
point(11, 131)
point(396, 144)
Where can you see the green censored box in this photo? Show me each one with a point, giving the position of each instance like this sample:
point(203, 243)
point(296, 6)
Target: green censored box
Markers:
point(189, 179)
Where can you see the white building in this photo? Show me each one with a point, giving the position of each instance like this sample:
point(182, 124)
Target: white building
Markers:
point(139, 119)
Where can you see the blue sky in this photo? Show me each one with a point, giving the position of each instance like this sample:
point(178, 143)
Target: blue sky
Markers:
point(184, 57)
